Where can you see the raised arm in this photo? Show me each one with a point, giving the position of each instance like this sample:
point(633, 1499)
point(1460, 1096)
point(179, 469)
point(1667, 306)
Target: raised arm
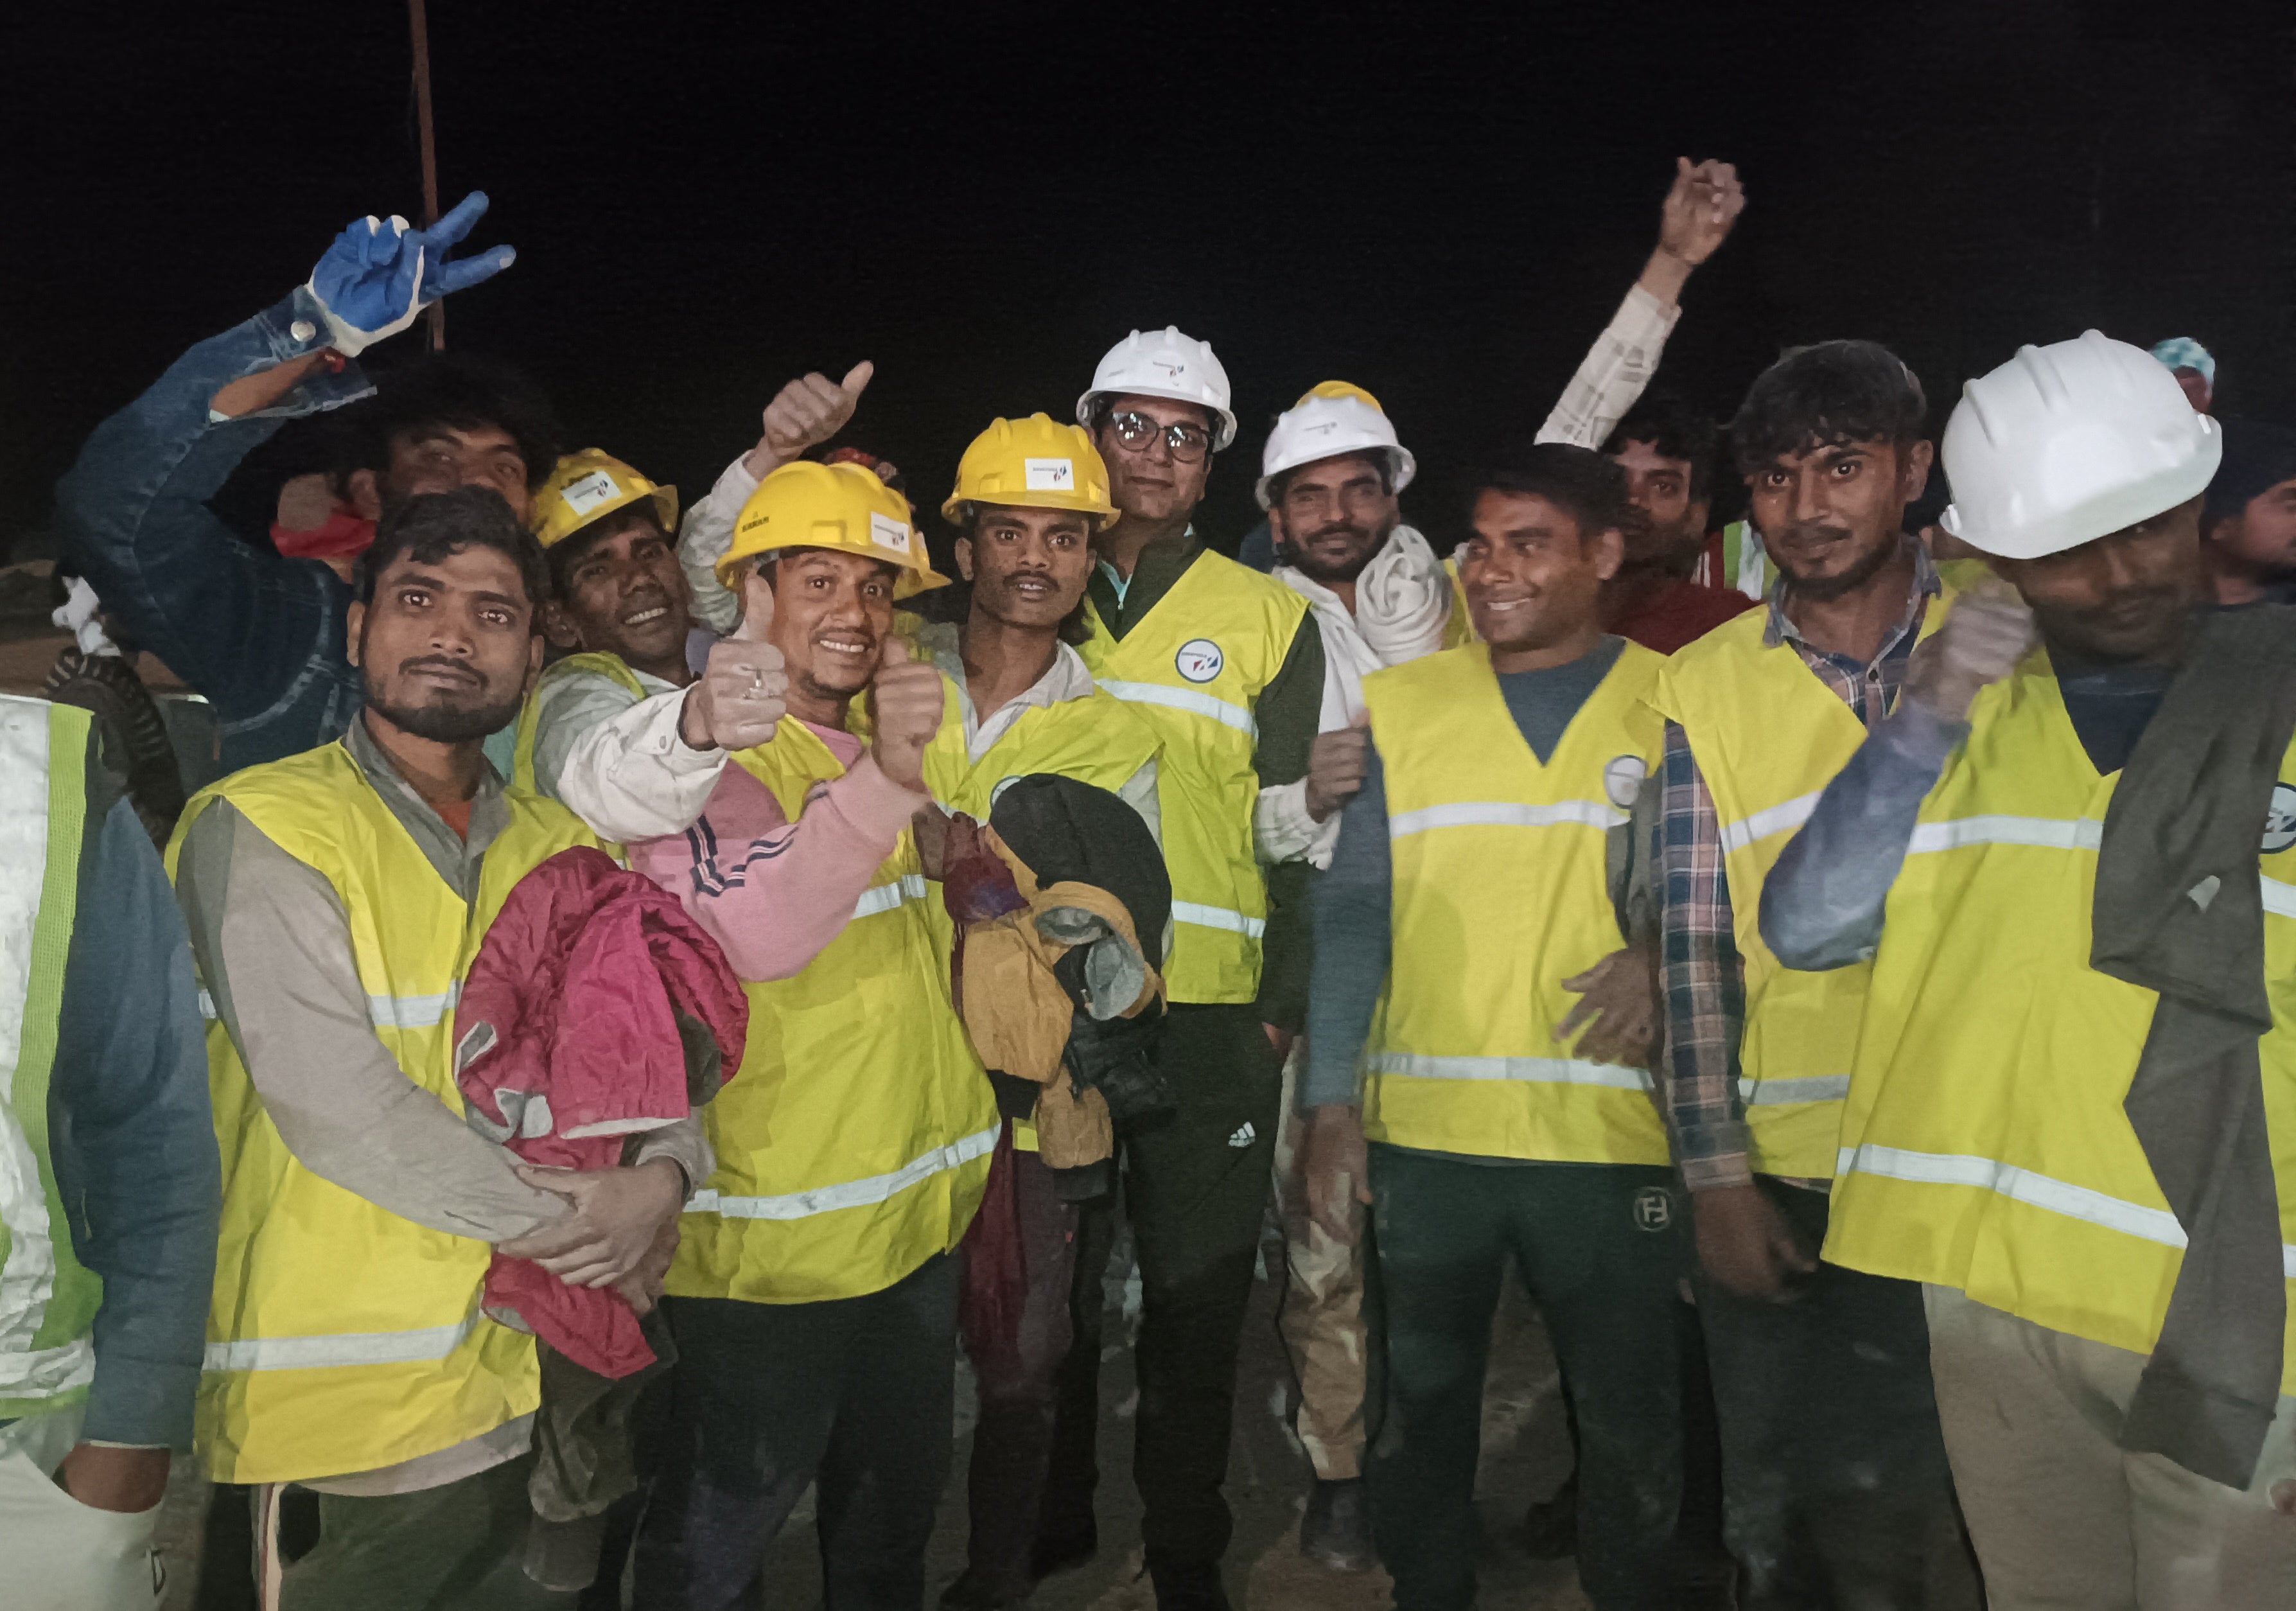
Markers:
point(1697, 216)
point(804, 413)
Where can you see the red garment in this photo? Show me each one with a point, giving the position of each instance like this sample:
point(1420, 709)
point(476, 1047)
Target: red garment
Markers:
point(566, 1042)
point(1677, 614)
point(346, 534)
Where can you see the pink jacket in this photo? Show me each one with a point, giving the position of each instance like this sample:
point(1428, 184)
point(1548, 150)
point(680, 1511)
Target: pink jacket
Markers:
point(566, 1042)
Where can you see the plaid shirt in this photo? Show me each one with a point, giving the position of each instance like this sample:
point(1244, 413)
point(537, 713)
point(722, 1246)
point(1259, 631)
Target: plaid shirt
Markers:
point(1704, 973)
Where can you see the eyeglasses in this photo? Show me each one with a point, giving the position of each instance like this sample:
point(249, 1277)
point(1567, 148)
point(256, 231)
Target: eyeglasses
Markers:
point(1186, 443)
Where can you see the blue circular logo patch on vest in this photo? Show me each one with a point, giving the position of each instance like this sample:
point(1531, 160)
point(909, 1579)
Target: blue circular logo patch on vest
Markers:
point(2280, 822)
point(1200, 659)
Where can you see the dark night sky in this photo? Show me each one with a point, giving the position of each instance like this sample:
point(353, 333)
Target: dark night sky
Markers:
point(1442, 207)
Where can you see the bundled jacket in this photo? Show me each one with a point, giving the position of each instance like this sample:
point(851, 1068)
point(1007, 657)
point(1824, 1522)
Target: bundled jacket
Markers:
point(596, 1009)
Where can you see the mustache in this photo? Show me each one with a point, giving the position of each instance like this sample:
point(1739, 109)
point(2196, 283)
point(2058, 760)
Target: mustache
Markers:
point(1811, 532)
point(441, 662)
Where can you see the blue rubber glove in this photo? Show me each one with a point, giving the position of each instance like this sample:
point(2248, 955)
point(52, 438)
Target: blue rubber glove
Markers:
point(379, 275)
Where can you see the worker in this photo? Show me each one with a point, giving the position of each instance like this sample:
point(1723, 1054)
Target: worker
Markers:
point(2195, 367)
point(1029, 496)
point(108, 1234)
point(620, 611)
point(2071, 1098)
point(259, 635)
point(335, 900)
point(1470, 895)
point(814, 1296)
point(1331, 477)
point(2248, 526)
point(1226, 669)
point(1834, 1473)
point(1668, 450)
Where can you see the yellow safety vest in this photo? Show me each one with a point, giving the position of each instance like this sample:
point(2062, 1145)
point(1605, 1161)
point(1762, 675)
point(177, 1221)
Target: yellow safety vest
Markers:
point(529, 714)
point(1193, 667)
point(1768, 737)
point(1097, 741)
point(343, 1338)
point(1500, 895)
point(855, 1144)
point(48, 1298)
point(1984, 1145)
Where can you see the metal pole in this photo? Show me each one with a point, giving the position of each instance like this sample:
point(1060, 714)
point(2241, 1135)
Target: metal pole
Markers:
point(422, 29)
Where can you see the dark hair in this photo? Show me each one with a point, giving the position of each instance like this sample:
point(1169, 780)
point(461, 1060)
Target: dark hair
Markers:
point(452, 389)
point(2257, 456)
point(431, 525)
point(563, 555)
point(1674, 429)
point(1581, 483)
point(1825, 395)
point(1280, 482)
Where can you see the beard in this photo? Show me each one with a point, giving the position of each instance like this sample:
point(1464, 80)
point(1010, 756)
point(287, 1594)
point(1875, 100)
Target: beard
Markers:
point(1825, 589)
point(1330, 571)
point(445, 723)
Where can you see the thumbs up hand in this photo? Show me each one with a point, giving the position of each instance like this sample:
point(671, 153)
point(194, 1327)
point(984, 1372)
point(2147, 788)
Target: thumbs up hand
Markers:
point(904, 702)
point(805, 413)
point(738, 700)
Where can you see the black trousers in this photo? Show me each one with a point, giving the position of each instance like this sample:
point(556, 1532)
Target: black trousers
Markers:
point(1195, 1188)
point(1598, 1248)
point(1833, 1470)
point(855, 1396)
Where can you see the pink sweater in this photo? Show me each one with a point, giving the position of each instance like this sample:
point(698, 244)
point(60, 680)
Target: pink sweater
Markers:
point(774, 892)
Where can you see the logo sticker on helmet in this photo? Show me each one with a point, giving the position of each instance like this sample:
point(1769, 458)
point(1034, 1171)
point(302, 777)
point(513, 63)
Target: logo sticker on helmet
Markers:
point(1200, 659)
point(1049, 474)
point(591, 490)
point(2280, 822)
point(1622, 780)
point(886, 532)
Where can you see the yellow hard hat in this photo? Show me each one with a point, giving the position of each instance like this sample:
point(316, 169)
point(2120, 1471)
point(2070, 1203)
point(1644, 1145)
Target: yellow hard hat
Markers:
point(588, 486)
point(1032, 464)
point(1336, 389)
point(842, 507)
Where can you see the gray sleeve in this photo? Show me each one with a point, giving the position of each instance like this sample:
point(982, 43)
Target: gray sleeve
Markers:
point(1353, 944)
point(138, 1164)
point(273, 944)
point(683, 1144)
point(1823, 903)
point(565, 709)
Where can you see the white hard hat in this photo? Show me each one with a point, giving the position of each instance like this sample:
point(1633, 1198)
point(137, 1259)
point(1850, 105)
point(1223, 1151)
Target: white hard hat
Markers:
point(1164, 363)
point(1332, 419)
point(2069, 442)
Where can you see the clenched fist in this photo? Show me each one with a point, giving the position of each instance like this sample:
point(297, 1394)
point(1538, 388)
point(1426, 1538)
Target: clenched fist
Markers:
point(737, 701)
point(805, 413)
point(1336, 764)
point(904, 708)
point(1987, 632)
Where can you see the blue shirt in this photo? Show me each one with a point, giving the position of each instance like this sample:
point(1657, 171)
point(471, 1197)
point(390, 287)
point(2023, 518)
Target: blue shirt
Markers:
point(259, 634)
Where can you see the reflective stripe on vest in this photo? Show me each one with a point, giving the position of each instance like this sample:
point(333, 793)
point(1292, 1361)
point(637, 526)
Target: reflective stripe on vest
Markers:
point(1986, 1145)
point(2024, 1186)
point(350, 1348)
point(1186, 699)
point(1782, 817)
point(885, 897)
point(1503, 814)
point(47, 1299)
point(851, 1194)
point(1192, 668)
point(343, 1337)
point(1500, 892)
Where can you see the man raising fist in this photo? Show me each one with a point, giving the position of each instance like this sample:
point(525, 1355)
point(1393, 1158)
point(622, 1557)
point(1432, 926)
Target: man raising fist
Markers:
point(813, 1296)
